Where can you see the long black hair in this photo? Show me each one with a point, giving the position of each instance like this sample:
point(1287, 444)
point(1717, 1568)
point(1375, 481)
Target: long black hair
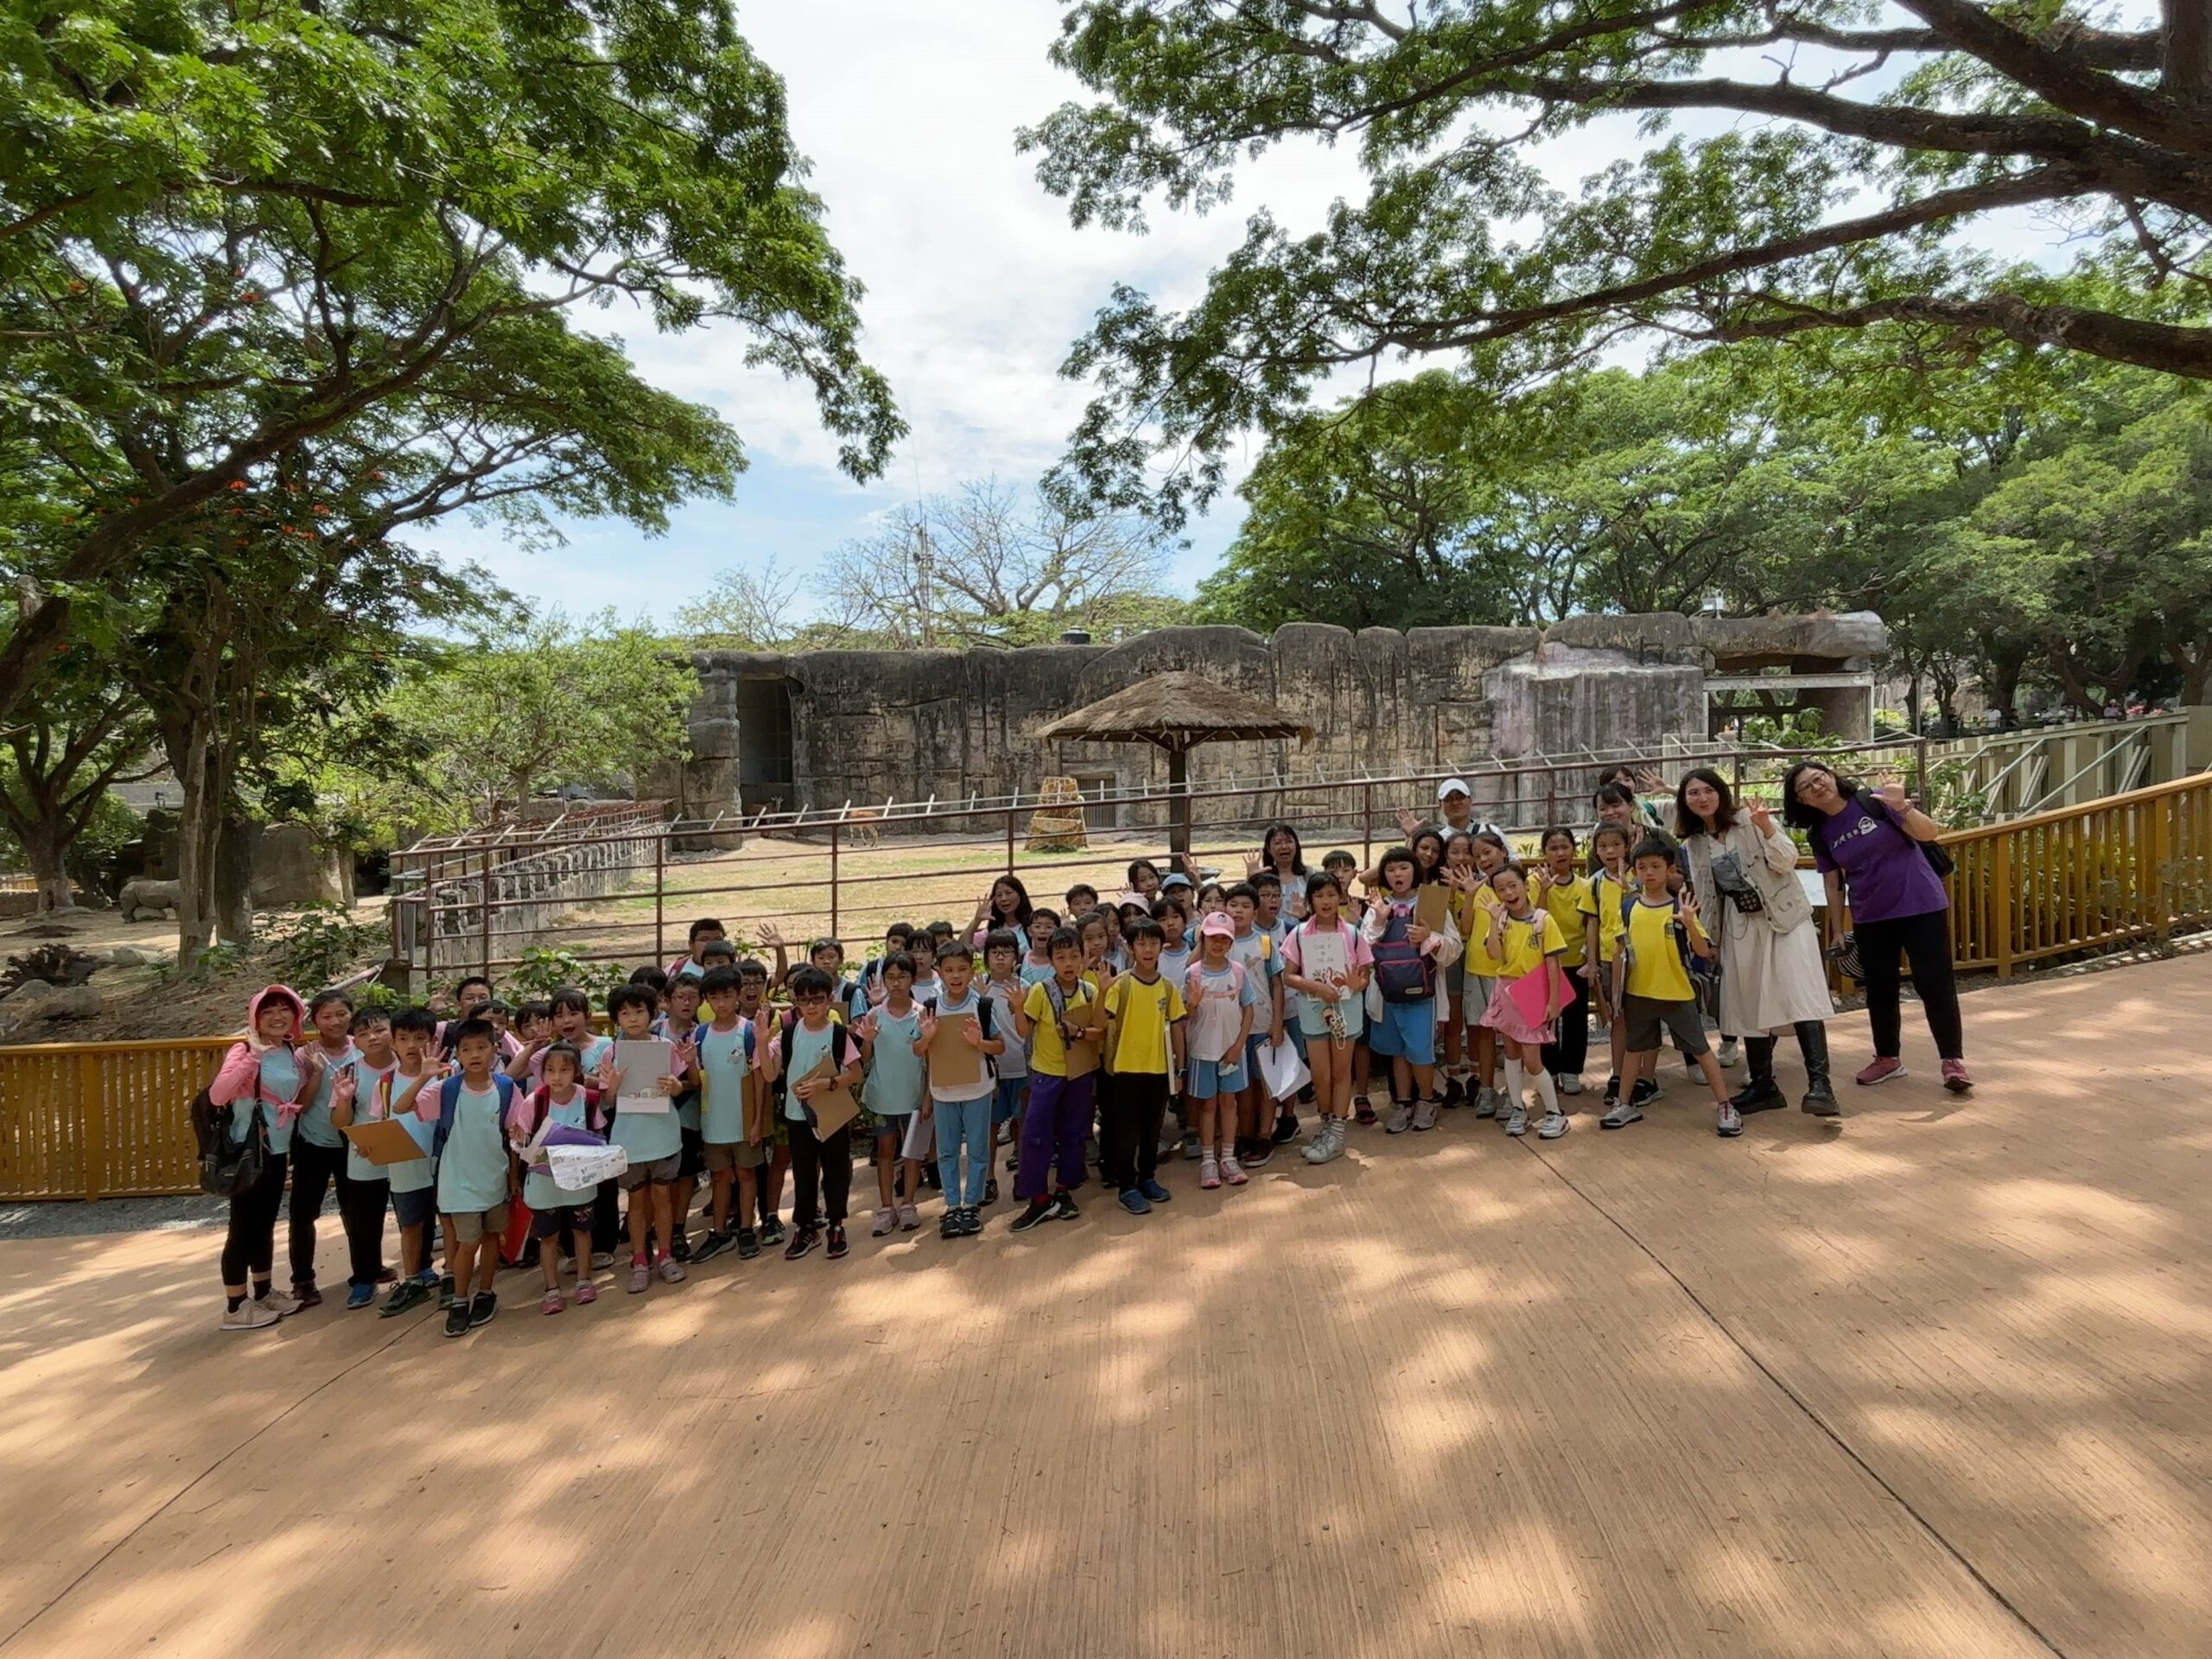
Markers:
point(1795, 812)
point(1022, 911)
point(1688, 824)
point(1297, 848)
point(1434, 871)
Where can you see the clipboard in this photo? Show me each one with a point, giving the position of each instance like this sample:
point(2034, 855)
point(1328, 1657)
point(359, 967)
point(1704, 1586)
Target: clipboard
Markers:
point(643, 1062)
point(834, 1106)
point(953, 1064)
point(384, 1141)
point(755, 1105)
point(1431, 905)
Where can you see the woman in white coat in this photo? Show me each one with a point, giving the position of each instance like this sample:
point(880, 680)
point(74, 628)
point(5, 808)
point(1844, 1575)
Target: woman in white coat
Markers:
point(1743, 867)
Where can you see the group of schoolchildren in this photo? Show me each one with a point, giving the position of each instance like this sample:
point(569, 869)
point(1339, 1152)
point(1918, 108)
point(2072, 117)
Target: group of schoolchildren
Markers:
point(1232, 1005)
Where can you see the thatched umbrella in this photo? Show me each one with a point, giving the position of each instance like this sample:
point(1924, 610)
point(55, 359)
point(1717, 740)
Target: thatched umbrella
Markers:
point(1177, 711)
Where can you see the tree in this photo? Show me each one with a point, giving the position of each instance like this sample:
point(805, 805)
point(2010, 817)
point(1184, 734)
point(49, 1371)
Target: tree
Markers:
point(743, 610)
point(987, 566)
point(552, 702)
point(1840, 194)
point(224, 236)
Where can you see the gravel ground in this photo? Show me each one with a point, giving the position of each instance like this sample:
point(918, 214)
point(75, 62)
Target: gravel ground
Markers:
point(116, 1216)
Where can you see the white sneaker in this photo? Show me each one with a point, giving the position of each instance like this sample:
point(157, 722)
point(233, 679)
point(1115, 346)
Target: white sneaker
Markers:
point(1489, 1102)
point(249, 1315)
point(1728, 1122)
point(1568, 1082)
point(1517, 1121)
point(1232, 1172)
point(1730, 1054)
point(1327, 1143)
point(1425, 1114)
point(281, 1304)
point(887, 1222)
point(1401, 1118)
point(1553, 1127)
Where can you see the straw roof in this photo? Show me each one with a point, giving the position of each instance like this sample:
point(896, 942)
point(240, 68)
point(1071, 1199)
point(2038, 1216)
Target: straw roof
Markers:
point(1176, 711)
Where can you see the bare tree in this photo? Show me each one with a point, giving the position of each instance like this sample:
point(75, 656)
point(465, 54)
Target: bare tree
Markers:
point(744, 610)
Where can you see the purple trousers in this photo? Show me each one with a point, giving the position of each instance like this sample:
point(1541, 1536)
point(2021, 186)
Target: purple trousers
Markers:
point(1059, 1117)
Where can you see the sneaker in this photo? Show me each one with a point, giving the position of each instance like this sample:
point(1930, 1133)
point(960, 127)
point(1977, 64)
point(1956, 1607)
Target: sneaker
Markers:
point(838, 1248)
point(249, 1315)
point(445, 1291)
point(1455, 1090)
point(1328, 1141)
point(1646, 1091)
point(386, 1275)
point(1400, 1119)
point(550, 1302)
point(1364, 1112)
point(1063, 1205)
point(712, 1246)
point(680, 1246)
point(284, 1306)
point(1209, 1173)
point(909, 1217)
point(1285, 1129)
point(1259, 1151)
point(428, 1278)
point(359, 1297)
point(1135, 1202)
point(948, 1224)
point(602, 1261)
point(971, 1221)
point(1425, 1114)
point(1191, 1152)
point(587, 1292)
point(1568, 1082)
point(1154, 1192)
point(771, 1233)
point(1168, 1144)
point(748, 1243)
point(1038, 1211)
point(1731, 1054)
point(1620, 1115)
point(672, 1271)
point(1232, 1172)
point(1552, 1125)
point(887, 1222)
point(457, 1319)
point(1728, 1122)
point(804, 1239)
point(1955, 1078)
point(1489, 1102)
point(1517, 1119)
point(307, 1296)
point(640, 1276)
point(1881, 1069)
point(408, 1292)
point(991, 1191)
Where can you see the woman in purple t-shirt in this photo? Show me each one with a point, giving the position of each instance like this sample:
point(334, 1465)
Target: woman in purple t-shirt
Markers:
point(1866, 842)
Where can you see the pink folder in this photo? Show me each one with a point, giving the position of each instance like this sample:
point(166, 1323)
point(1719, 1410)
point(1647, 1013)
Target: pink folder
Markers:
point(1531, 991)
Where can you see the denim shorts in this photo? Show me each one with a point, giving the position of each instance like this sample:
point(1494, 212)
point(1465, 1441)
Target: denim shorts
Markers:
point(1006, 1101)
point(1208, 1079)
point(416, 1209)
point(1405, 1030)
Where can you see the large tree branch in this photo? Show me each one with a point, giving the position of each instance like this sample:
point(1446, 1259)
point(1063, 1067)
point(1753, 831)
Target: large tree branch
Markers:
point(2186, 58)
point(2161, 346)
point(2059, 76)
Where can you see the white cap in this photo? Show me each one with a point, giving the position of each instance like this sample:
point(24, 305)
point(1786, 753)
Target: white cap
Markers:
point(1452, 786)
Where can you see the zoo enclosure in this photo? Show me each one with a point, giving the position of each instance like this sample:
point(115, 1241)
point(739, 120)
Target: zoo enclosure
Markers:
point(94, 1120)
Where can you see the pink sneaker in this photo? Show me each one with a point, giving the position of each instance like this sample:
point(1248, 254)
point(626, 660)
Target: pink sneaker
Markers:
point(1232, 1172)
point(586, 1292)
point(1955, 1078)
point(640, 1275)
point(1882, 1068)
point(552, 1303)
point(1209, 1172)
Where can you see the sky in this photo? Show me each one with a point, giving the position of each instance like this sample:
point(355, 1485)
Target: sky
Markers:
point(976, 286)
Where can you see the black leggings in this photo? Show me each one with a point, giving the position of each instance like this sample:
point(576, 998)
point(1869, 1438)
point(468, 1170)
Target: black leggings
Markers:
point(1925, 941)
point(315, 1170)
point(1567, 1057)
point(828, 1163)
point(249, 1246)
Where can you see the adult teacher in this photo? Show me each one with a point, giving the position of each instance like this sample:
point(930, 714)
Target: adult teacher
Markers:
point(1743, 867)
point(1867, 844)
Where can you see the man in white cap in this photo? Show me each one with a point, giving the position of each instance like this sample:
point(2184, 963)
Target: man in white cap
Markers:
point(1455, 803)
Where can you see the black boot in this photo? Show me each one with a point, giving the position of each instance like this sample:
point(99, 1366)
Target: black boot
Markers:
point(1759, 1092)
point(1813, 1043)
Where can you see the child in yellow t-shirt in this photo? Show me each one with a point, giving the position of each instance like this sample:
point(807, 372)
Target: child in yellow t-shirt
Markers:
point(1652, 988)
point(1601, 913)
point(1062, 1019)
point(1476, 905)
point(1558, 887)
point(1144, 1051)
point(1524, 940)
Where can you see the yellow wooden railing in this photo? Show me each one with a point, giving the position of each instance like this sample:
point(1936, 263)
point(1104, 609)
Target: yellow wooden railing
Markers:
point(101, 1120)
point(2128, 869)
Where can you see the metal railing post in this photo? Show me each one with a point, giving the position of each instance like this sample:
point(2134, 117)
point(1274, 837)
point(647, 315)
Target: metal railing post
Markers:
point(660, 898)
point(834, 838)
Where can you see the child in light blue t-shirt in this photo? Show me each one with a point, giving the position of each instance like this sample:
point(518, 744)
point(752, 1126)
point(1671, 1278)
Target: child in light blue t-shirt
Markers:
point(894, 1091)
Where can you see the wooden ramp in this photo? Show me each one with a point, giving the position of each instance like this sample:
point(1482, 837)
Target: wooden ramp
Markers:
point(1932, 1384)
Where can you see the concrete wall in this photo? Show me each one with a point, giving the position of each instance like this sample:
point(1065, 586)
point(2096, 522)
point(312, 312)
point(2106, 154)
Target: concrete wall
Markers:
point(868, 726)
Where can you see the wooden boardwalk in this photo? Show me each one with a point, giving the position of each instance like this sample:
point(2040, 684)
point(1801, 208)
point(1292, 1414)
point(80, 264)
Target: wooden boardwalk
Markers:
point(1936, 1384)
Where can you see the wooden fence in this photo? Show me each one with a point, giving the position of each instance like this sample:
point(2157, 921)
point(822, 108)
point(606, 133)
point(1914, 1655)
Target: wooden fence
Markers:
point(108, 1120)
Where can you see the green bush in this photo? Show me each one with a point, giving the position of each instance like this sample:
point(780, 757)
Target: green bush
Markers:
point(317, 946)
point(544, 970)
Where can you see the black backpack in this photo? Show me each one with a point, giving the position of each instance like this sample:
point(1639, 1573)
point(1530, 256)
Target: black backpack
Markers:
point(227, 1170)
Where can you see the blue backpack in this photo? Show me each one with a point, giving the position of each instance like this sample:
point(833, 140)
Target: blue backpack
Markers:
point(449, 1102)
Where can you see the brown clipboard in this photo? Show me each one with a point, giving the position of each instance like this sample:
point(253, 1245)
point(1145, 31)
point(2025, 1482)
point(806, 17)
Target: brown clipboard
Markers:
point(756, 1107)
point(1432, 904)
point(384, 1141)
point(953, 1064)
point(833, 1108)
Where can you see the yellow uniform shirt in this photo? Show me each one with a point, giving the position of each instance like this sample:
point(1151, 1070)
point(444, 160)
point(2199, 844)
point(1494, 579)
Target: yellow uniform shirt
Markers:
point(1472, 911)
point(1604, 901)
point(1655, 966)
point(1568, 903)
point(1139, 1016)
point(1048, 1052)
point(1525, 944)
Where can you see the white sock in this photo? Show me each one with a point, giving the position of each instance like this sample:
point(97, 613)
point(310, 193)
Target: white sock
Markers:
point(1515, 1081)
point(1546, 1092)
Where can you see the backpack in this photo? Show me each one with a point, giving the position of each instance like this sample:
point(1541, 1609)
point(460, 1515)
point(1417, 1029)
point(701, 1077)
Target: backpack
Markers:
point(449, 1101)
point(1403, 972)
point(226, 1169)
point(841, 1052)
point(1704, 971)
point(539, 1101)
point(986, 1024)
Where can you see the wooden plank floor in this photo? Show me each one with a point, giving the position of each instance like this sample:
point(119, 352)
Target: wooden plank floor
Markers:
point(1934, 1384)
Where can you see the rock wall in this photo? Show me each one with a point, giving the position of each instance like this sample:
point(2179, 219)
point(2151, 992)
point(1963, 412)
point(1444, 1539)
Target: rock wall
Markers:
point(870, 727)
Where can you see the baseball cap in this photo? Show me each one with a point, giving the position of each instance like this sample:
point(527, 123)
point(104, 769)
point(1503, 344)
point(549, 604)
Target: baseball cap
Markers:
point(1174, 879)
point(1133, 897)
point(1217, 922)
point(1452, 786)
